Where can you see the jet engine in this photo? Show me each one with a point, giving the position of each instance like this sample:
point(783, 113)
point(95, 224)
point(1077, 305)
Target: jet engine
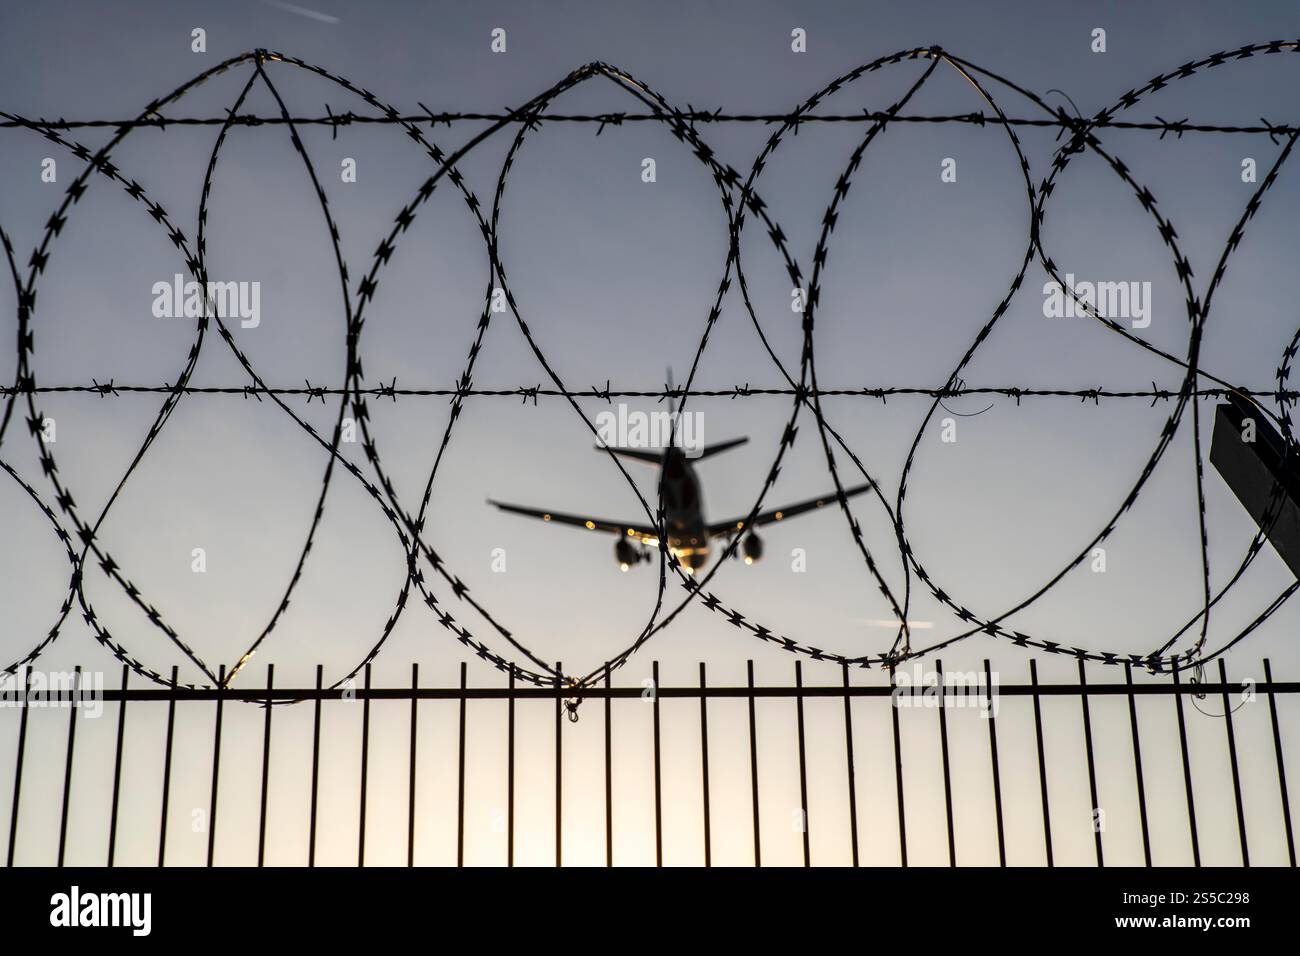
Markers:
point(753, 548)
point(627, 554)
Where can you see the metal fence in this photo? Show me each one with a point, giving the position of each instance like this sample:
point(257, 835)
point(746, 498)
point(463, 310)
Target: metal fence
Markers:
point(839, 711)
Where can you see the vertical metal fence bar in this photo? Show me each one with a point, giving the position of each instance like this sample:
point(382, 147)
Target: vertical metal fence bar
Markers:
point(1281, 767)
point(559, 768)
point(993, 755)
point(216, 766)
point(67, 772)
point(1187, 775)
point(898, 775)
point(411, 765)
point(1137, 763)
point(510, 772)
point(1092, 767)
point(805, 823)
point(18, 766)
point(460, 774)
point(266, 766)
point(609, 775)
point(1042, 763)
point(947, 768)
point(1236, 775)
point(167, 769)
point(365, 770)
point(704, 765)
point(315, 768)
point(659, 816)
point(753, 765)
point(117, 768)
point(848, 753)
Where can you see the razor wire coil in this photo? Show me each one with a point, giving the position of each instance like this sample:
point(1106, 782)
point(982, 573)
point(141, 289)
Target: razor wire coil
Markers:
point(741, 203)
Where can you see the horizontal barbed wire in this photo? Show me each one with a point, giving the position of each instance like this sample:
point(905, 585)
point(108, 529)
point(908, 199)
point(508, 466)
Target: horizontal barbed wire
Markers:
point(113, 389)
point(336, 120)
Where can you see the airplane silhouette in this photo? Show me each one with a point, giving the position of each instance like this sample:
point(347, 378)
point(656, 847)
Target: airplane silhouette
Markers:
point(689, 535)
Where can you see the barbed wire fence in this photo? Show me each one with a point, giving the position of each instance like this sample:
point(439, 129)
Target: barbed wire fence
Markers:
point(78, 529)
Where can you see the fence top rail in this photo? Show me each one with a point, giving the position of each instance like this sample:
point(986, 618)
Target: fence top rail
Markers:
point(11, 696)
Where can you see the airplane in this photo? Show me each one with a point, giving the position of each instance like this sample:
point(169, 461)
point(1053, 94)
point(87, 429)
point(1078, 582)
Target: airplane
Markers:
point(689, 535)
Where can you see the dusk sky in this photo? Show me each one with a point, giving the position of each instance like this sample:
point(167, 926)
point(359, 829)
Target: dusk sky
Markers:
point(615, 277)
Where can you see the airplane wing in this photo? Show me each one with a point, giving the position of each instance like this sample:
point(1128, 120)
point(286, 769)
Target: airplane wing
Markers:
point(642, 533)
point(724, 528)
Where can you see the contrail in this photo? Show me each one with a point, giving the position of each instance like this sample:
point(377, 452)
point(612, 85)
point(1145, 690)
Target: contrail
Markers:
point(302, 11)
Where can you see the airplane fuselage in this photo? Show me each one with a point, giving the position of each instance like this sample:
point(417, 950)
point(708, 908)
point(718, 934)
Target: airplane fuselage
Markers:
point(688, 536)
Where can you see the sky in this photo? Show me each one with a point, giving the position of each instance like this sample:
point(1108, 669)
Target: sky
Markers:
point(615, 277)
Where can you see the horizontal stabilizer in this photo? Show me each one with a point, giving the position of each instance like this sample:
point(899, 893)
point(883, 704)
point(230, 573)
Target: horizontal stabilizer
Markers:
point(720, 447)
point(637, 454)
